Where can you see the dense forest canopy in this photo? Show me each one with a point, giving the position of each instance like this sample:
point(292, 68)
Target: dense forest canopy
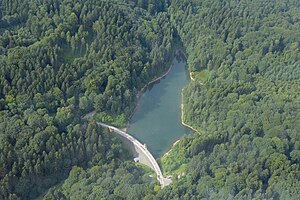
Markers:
point(248, 107)
point(61, 59)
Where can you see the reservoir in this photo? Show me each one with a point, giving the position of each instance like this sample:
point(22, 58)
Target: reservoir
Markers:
point(157, 118)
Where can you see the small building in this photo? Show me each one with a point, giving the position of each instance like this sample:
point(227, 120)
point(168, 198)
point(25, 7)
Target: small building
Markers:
point(136, 159)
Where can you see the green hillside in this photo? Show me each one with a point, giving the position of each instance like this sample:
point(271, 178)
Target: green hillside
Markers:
point(61, 59)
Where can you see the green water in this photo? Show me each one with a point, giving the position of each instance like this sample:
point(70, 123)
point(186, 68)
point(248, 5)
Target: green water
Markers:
point(157, 119)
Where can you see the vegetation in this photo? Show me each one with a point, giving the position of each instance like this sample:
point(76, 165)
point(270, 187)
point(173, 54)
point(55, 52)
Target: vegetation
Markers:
point(111, 181)
point(62, 59)
point(248, 109)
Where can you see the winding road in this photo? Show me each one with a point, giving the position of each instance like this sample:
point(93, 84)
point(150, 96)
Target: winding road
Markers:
point(145, 156)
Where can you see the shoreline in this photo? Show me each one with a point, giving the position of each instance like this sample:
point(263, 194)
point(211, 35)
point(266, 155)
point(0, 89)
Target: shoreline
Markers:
point(191, 76)
point(142, 90)
point(193, 79)
point(183, 123)
point(140, 93)
point(182, 116)
point(182, 109)
point(168, 152)
point(138, 96)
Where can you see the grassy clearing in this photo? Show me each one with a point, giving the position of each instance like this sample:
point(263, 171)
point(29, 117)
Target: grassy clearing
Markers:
point(174, 163)
point(201, 75)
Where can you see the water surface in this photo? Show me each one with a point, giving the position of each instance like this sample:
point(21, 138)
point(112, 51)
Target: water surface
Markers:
point(157, 119)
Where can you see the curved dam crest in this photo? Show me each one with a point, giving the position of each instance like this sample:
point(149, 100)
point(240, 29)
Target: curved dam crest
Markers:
point(140, 151)
point(158, 117)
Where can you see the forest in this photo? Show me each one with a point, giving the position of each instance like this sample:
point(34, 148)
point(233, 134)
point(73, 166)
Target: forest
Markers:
point(61, 59)
point(247, 110)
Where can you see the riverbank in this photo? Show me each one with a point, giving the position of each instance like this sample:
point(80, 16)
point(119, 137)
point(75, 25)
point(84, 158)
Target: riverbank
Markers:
point(182, 106)
point(156, 121)
point(177, 52)
point(182, 115)
point(138, 96)
point(183, 123)
point(142, 90)
point(140, 93)
point(191, 76)
point(168, 152)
